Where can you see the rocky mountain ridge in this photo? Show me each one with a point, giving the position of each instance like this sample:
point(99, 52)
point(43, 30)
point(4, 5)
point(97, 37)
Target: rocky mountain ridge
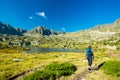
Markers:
point(40, 30)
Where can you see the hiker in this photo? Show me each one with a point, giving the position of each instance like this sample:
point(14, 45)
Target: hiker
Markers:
point(89, 56)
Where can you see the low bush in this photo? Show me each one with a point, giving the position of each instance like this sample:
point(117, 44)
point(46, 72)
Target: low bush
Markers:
point(112, 68)
point(52, 71)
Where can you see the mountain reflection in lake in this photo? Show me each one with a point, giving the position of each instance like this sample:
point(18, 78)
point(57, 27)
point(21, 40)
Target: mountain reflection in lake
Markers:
point(38, 50)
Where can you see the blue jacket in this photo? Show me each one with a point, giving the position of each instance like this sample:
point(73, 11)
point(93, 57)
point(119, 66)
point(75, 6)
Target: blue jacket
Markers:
point(89, 52)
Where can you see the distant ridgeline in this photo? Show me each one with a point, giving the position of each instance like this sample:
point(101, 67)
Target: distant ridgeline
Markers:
point(9, 30)
point(40, 30)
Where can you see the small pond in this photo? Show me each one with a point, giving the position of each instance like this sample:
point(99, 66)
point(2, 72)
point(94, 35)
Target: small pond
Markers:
point(39, 50)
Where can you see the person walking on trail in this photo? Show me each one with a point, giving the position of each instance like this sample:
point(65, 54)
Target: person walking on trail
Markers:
point(89, 56)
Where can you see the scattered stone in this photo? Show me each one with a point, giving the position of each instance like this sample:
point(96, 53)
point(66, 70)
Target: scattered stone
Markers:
point(106, 58)
point(84, 61)
point(17, 60)
point(83, 79)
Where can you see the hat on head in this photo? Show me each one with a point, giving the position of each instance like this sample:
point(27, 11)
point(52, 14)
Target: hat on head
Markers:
point(89, 45)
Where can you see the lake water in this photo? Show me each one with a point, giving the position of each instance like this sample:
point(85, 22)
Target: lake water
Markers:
point(38, 50)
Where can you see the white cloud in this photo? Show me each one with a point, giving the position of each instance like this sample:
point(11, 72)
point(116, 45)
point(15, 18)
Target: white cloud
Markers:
point(30, 17)
point(42, 14)
point(63, 29)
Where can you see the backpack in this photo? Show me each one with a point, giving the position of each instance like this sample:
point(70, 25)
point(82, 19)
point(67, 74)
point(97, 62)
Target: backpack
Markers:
point(88, 52)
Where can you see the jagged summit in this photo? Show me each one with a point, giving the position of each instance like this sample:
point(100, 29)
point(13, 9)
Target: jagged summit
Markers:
point(42, 31)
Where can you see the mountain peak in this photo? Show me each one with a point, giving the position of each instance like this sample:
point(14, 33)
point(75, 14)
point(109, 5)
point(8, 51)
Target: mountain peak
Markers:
point(42, 31)
point(7, 25)
point(8, 29)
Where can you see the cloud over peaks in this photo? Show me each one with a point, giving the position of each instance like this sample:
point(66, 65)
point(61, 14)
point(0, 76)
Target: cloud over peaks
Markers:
point(42, 14)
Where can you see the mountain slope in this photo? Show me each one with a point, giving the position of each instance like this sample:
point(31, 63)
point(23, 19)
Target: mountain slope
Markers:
point(7, 29)
point(98, 32)
point(113, 27)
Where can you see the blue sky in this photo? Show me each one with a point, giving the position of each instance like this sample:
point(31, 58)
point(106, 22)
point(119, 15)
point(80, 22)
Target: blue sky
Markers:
point(59, 15)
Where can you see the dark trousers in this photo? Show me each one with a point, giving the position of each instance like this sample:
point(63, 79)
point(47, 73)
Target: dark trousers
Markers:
point(89, 61)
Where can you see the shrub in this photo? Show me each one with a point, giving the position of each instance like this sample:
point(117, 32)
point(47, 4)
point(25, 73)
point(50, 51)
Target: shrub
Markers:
point(63, 69)
point(112, 68)
point(52, 71)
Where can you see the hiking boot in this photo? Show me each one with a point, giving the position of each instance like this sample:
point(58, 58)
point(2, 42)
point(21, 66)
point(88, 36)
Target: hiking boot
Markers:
point(89, 68)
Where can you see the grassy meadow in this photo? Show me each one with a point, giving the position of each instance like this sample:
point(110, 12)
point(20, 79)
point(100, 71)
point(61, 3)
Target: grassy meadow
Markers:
point(9, 67)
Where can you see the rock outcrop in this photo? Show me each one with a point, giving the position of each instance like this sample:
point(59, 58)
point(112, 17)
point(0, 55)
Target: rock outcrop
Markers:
point(42, 31)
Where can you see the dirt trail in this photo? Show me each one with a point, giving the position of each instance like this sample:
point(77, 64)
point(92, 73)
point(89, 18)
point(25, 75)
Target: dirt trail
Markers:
point(82, 75)
point(17, 76)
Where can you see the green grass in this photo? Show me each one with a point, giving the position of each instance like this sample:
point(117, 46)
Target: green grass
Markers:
point(10, 68)
point(112, 68)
